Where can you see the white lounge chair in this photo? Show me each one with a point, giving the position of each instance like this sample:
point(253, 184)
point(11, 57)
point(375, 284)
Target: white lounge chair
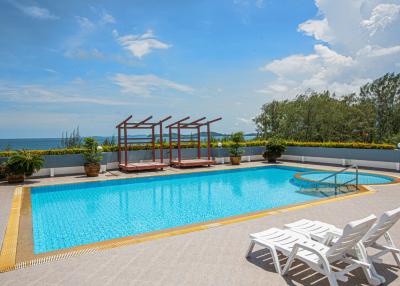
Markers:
point(316, 255)
point(326, 233)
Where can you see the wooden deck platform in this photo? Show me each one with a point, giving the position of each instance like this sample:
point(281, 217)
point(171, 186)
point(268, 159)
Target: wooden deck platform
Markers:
point(192, 163)
point(142, 166)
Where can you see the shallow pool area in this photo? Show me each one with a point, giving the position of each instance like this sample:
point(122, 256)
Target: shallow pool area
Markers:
point(363, 178)
point(65, 216)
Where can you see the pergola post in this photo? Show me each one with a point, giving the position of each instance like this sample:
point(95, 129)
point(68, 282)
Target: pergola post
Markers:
point(208, 141)
point(170, 145)
point(119, 145)
point(161, 144)
point(153, 151)
point(126, 144)
point(198, 143)
point(179, 142)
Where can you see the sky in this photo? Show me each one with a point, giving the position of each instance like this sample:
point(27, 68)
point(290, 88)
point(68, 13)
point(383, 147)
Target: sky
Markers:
point(90, 64)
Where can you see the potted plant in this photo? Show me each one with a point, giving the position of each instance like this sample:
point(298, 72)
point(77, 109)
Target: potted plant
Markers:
point(21, 165)
point(274, 149)
point(3, 171)
point(235, 150)
point(92, 157)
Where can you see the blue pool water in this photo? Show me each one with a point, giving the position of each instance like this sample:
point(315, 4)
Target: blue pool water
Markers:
point(363, 178)
point(64, 216)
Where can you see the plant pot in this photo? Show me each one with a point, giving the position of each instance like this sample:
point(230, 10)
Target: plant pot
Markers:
point(2, 172)
point(271, 157)
point(92, 169)
point(15, 179)
point(235, 160)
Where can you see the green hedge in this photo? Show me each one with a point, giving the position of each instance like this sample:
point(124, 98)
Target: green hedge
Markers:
point(226, 144)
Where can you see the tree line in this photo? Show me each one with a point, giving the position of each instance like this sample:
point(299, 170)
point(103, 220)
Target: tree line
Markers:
point(370, 115)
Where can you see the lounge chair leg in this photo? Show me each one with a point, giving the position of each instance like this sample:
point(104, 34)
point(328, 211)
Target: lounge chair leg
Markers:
point(370, 273)
point(396, 258)
point(391, 244)
point(289, 261)
point(252, 243)
point(332, 279)
point(276, 261)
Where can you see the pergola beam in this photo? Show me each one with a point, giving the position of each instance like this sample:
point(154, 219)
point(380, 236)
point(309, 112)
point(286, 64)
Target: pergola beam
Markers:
point(143, 121)
point(122, 123)
point(212, 121)
point(177, 122)
point(196, 123)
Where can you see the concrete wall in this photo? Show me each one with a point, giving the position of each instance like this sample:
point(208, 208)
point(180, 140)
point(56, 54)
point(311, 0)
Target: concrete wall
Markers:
point(384, 159)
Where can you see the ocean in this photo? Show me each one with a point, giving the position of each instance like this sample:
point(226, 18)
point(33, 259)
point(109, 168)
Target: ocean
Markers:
point(55, 143)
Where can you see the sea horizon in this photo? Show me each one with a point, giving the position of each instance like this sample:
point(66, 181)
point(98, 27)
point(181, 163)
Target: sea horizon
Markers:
point(56, 143)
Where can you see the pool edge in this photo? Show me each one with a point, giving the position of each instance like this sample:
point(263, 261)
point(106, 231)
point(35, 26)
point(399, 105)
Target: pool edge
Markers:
point(8, 251)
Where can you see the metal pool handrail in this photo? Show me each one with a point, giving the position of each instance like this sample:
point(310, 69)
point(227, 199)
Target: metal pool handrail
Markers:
point(335, 176)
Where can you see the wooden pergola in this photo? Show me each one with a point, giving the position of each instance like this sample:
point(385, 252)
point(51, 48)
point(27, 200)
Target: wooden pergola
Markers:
point(126, 141)
point(197, 125)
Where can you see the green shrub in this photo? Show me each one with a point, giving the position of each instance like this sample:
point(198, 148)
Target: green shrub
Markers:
point(24, 163)
point(236, 149)
point(274, 149)
point(225, 144)
point(92, 153)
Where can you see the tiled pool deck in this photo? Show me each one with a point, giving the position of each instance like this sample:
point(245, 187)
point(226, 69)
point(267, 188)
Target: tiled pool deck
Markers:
point(214, 256)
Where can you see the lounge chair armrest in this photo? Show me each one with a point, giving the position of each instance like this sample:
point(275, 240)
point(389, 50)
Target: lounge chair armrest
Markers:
point(392, 249)
point(331, 235)
point(300, 245)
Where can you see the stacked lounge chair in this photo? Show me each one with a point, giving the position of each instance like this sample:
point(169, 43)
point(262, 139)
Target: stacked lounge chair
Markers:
point(319, 244)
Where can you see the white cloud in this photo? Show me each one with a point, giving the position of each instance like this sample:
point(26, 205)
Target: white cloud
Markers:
point(319, 29)
point(85, 23)
point(35, 11)
point(259, 3)
point(74, 45)
point(108, 18)
point(39, 94)
point(105, 16)
point(140, 45)
point(247, 121)
point(146, 85)
point(84, 54)
point(361, 43)
point(51, 71)
point(247, 3)
point(381, 16)
point(370, 51)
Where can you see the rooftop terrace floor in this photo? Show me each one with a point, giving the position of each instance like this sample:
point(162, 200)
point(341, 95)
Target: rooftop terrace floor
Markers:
point(215, 256)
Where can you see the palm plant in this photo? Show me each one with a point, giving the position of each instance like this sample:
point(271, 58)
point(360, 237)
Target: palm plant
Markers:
point(24, 162)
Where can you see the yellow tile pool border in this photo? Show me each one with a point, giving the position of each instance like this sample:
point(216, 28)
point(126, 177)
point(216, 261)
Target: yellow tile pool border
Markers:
point(9, 246)
point(8, 254)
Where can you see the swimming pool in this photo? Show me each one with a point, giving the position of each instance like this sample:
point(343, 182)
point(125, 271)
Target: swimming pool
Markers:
point(65, 216)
